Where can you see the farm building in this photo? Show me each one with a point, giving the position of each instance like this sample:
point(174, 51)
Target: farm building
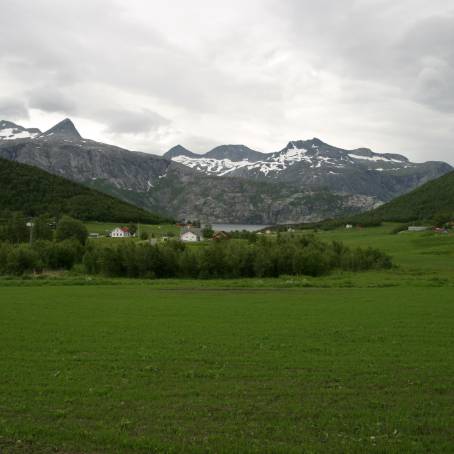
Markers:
point(190, 235)
point(221, 235)
point(120, 232)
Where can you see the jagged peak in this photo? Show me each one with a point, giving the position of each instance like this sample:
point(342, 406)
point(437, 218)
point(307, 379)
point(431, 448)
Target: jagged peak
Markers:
point(307, 144)
point(64, 128)
point(179, 150)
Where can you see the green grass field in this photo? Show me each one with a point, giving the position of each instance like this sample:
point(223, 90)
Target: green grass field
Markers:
point(348, 363)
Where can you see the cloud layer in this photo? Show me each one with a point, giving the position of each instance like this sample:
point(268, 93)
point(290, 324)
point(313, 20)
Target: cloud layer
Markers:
point(148, 75)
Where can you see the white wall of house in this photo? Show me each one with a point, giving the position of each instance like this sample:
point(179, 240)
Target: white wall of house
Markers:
point(118, 233)
point(189, 237)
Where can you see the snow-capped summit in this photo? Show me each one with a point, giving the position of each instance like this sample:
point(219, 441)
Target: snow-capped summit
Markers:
point(316, 164)
point(237, 160)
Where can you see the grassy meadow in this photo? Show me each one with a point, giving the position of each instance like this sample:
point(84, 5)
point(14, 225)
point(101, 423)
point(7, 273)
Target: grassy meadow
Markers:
point(349, 362)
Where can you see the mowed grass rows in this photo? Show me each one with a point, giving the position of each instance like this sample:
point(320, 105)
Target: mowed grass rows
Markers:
point(135, 369)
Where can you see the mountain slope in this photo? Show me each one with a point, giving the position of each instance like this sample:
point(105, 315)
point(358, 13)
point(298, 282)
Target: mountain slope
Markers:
point(275, 189)
point(34, 191)
point(237, 200)
point(436, 196)
point(315, 164)
point(172, 189)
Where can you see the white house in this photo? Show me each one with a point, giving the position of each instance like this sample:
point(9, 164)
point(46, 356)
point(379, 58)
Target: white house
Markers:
point(190, 235)
point(120, 232)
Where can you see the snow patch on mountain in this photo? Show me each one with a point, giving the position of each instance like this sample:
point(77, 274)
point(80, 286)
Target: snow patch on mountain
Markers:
point(312, 154)
point(210, 165)
point(276, 162)
point(375, 158)
point(11, 131)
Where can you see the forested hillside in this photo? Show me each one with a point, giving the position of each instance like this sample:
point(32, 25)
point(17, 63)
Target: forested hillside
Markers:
point(33, 191)
point(426, 202)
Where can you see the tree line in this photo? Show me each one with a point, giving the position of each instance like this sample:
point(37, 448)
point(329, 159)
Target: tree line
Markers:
point(262, 257)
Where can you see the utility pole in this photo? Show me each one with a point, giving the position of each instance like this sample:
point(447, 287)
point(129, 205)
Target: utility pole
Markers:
point(31, 225)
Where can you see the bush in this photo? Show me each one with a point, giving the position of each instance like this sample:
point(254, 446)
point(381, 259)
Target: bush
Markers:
point(42, 229)
point(15, 230)
point(286, 255)
point(399, 228)
point(22, 259)
point(62, 255)
point(71, 229)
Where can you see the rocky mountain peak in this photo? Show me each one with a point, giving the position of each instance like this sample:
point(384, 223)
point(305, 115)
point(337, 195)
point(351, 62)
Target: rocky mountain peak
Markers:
point(13, 131)
point(179, 150)
point(64, 129)
point(8, 124)
point(234, 153)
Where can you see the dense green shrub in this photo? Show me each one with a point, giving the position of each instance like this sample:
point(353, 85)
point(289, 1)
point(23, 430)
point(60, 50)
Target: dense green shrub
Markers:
point(69, 228)
point(15, 229)
point(286, 255)
point(42, 229)
point(22, 259)
point(61, 255)
point(232, 259)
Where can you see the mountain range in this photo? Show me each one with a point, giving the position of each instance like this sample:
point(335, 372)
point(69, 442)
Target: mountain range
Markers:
point(305, 181)
point(315, 164)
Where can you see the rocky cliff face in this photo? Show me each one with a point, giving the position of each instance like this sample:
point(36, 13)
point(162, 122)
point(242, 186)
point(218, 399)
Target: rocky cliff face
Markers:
point(233, 184)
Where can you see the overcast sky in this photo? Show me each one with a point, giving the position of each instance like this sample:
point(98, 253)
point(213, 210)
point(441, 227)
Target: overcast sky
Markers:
point(148, 74)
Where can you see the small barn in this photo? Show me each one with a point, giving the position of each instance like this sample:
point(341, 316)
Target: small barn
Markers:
point(221, 235)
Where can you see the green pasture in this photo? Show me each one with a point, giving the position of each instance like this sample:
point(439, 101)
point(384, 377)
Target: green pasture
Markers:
point(344, 363)
point(137, 369)
point(412, 250)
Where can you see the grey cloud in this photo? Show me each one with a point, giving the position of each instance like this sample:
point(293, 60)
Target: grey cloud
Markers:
point(428, 55)
point(132, 122)
point(13, 109)
point(147, 74)
point(52, 100)
point(406, 44)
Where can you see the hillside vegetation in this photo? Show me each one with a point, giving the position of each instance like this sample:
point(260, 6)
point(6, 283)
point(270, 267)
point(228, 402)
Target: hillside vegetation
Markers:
point(426, 202)
point(33, 191)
